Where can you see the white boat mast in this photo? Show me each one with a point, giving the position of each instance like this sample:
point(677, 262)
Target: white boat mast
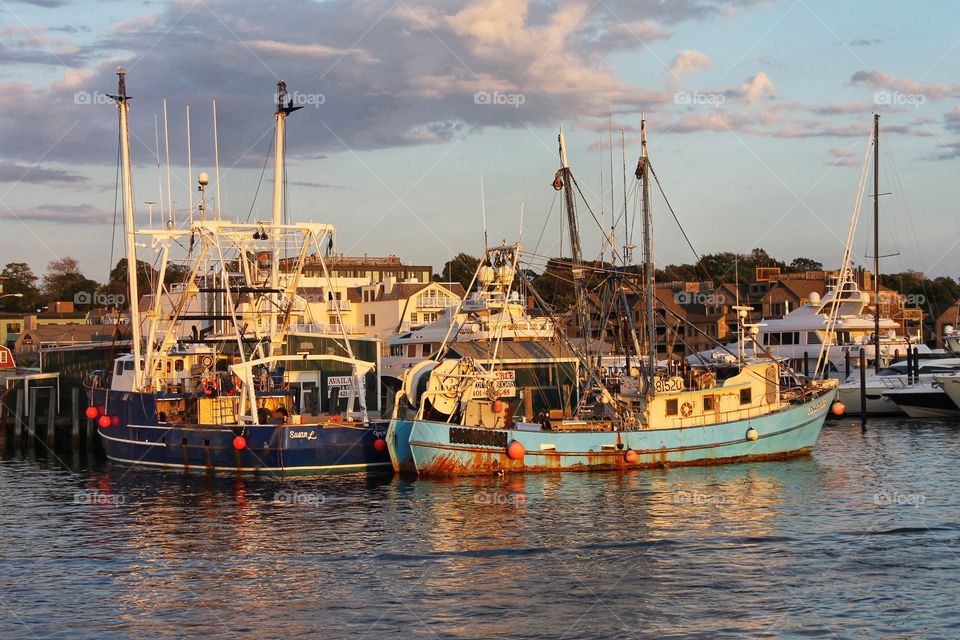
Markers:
point(284, 108)
point(122, 100)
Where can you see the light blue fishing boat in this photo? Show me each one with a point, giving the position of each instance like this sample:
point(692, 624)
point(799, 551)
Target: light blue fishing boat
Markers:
point(466, 415)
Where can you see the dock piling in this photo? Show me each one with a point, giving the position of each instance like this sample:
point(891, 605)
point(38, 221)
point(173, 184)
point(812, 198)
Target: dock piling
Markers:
point(863, 387)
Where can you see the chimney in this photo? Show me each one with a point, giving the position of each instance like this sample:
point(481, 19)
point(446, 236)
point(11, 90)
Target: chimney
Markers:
point(29, 323)
point(388, 283)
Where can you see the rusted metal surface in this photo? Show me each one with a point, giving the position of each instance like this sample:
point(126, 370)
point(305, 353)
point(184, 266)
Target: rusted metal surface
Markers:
point(482, 462)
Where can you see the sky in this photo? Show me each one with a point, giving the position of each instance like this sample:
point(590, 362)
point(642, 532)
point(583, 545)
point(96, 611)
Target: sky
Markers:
point(758, 117)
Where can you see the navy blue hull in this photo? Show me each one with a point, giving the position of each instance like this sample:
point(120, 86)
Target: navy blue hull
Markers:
point(139, 439)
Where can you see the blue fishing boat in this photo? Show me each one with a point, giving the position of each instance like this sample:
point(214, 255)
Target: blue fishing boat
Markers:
point(461, 415)
point(225, 372)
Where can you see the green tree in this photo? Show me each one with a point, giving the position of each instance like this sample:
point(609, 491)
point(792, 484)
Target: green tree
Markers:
point(64, 282)
point(460, 269)
point(18, 277)
point(799, 265)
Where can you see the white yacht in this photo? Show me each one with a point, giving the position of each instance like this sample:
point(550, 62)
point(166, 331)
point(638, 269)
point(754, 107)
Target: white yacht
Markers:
point(800, 334)
point(490, 312)
point(890, 379)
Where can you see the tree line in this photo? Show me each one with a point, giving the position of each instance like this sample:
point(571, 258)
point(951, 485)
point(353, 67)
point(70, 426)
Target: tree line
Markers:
point(555, 282)
point(64, 282)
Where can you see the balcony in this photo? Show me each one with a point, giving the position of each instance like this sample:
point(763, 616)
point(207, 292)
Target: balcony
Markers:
point(435, 302)
point(327, 329)
point(333, 305)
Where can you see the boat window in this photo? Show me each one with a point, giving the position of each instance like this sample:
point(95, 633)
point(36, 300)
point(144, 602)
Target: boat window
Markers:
point(119, 368)
point(813, 338)
point(672, 407)
point(411, 351)
point(128, 365)
point(746, 395)
point(708, 403)
point(774, 339)
point(178, 365)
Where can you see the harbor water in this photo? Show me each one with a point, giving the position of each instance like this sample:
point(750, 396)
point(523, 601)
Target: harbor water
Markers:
point(859, 540)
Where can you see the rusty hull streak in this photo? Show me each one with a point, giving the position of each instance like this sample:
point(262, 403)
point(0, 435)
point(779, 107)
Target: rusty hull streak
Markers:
point(485, 461)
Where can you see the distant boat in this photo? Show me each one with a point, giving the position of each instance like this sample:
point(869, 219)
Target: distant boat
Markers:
point(892, 378)
point(217, 380)
point(924, 399)
point(460, 416)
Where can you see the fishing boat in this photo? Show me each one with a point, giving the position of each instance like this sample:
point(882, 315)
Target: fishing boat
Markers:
point(460, 418)
point(216, 378)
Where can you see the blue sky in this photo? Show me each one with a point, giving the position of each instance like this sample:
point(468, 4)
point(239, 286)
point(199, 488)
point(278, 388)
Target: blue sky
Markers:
point(758, 114)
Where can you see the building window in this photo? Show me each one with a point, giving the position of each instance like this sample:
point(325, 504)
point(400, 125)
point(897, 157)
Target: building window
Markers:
point(413, 317)
point(672, 407)
point(13, 327)
point(746, 395)
point(373, 319)
point(3, 357)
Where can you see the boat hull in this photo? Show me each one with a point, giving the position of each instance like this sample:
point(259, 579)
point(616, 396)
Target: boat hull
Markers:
point(877, 403)
point(439, 448)
point(268, 449)
point(398, 445)
point(929, 403)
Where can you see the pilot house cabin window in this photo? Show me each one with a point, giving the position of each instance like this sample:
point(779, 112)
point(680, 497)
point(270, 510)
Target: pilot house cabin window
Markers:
point(746, 396)
point(708, 404)
point(672, 407)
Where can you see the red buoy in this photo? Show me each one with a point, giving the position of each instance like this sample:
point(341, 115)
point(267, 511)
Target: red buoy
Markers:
point(838, 409)
point(497, 406)
point(515, 451)
point(239, 443)
point(114, 421)
point(91, 413)
point(379, 445)
point(104, 421)
point(631, 456)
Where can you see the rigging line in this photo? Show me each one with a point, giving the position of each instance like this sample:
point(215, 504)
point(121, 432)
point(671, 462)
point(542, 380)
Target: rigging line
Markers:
point(680, 226)
point(116, 197)
point(266, 159)
point(613, 250)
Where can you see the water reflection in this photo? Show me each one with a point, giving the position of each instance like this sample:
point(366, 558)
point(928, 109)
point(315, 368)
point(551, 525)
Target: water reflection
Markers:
point(759, 549)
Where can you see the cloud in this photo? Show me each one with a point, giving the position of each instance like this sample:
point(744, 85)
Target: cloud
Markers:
point(946, 151)
point(60, 213)
point(842, 157)
point(12, 172)
point(952, 118)
point(881, 80)
point(757, 86)
point(689, 61)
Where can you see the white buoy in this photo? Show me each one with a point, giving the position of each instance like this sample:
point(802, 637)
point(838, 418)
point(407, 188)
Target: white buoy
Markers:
point(752, 434)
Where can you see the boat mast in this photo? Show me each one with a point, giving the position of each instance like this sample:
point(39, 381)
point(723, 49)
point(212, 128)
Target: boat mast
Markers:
point(122, 100)
point(284, 108)
point(876, 242)
point(643, 173)
point(566, 177)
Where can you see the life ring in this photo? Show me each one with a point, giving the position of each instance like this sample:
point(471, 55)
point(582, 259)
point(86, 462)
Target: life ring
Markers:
point(206, 361)
point(209, 386)
point(686, 409)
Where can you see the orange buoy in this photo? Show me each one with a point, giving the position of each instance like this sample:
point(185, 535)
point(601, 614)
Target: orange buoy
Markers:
point(104, 421)
point(497, 406)
point(91, 413)
point(838, 409)
point(239, 443)
point(516, 451)
point(631, 456)
point(379, 445)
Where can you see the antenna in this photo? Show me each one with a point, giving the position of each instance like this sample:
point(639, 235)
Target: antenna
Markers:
point(483, 210)
point(216, 156)
point(156, 140)
point(189, 166)
point(166, 144)
point(523, 204)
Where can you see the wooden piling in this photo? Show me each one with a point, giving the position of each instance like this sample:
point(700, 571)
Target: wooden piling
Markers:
point(74, 417)
point(50, 434)
point(18, 417)
point(863, 387)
